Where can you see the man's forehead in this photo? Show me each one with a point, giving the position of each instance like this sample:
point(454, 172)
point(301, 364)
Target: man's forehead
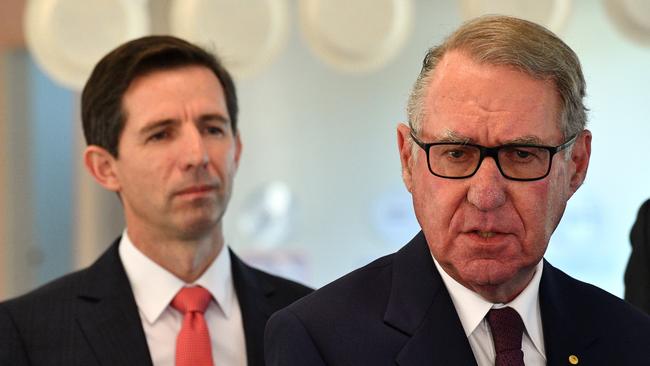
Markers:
point(449, 135)
point(471, 102)
point(451, 128)
point(460, 66)
point(139, 119)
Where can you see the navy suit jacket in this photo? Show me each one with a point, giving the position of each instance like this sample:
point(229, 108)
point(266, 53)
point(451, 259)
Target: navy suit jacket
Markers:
point(90, 317)
point(397, 311)
point(637, 273)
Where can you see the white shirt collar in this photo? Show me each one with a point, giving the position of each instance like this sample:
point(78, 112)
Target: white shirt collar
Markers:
point(472, 308)
point(154, 287)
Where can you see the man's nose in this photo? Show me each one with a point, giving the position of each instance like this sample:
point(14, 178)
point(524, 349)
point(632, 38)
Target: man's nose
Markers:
point(194, 152)
point(487, 189)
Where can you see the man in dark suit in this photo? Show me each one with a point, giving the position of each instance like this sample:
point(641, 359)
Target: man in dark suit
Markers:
point(160, 119)
point(637, 273)
point(495, 147)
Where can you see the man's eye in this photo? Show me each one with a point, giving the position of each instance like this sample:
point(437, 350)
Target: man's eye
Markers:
point(459, 154)
point(213, 130)
point(158, 136)
point(456, 154)
point(523, 154)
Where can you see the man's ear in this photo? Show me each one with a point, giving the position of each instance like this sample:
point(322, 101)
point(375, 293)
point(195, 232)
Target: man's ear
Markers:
point(404, 145)
point(580, 155)
point(101, 165)
point(238, 148)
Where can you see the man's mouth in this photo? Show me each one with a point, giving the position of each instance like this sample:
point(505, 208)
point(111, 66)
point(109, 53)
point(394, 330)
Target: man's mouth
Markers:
point(196, 189)
point(485, 234)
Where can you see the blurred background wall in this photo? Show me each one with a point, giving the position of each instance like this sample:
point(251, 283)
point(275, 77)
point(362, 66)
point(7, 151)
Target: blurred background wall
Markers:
point(322, 86)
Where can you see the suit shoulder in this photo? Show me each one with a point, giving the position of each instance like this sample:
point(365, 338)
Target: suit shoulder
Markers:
point(105, 268)
point(331, 325)
point(282, 284)
point(278, 291)
point(645, 207)
point(45, 307)
point(365, 285)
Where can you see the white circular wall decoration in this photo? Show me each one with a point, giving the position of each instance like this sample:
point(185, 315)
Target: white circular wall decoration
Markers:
point(552, 14)
point(356, 35)
point(246, 35)
point(632, 18)
point(68, 37)
point(268, 215)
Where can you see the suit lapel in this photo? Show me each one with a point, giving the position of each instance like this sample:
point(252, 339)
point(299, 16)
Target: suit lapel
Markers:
point(253, 295)
point(420, 307)
point(108, 315)
point(564, 332)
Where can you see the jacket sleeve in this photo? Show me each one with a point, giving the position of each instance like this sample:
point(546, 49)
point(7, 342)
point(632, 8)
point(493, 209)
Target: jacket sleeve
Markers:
point(637, 273)
point(12, 349)
point(287, 342)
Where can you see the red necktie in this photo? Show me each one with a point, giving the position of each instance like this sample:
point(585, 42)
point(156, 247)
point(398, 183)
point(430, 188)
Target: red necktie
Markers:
point(507, 332)
point(193, 346)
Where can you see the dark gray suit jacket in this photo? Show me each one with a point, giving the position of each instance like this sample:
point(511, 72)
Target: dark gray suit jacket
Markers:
point(637, 273)
point(90, 317)
point(397, 311)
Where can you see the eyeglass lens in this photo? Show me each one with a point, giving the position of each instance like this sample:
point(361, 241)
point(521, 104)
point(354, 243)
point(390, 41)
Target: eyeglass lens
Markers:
point(519, 162)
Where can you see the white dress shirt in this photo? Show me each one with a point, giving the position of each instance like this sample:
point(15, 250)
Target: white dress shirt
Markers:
point(154, 288)
point(472, 309)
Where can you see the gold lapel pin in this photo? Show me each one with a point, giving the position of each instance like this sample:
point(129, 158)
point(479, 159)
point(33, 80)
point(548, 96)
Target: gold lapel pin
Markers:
point(573, 359)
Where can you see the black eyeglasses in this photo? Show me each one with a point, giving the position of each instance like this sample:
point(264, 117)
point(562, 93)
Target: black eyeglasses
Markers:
point(457, 160)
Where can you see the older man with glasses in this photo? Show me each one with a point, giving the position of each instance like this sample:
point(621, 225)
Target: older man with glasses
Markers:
point(495, 146)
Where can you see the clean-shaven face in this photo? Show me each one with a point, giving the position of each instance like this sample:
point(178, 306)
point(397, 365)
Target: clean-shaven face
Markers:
point(486, 231)
point(178, 153)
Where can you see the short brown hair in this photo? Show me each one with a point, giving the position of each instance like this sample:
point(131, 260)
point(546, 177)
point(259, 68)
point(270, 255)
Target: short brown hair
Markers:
point(102, 114)
point(503, 40)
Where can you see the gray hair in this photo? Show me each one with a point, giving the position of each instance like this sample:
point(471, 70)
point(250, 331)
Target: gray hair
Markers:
point(502, 40)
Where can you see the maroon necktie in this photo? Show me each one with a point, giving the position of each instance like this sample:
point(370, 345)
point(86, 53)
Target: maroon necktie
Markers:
point(507, 331)
point(193, 346)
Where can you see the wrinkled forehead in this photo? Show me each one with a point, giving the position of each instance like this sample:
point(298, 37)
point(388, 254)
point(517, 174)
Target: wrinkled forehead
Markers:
point(489, 103)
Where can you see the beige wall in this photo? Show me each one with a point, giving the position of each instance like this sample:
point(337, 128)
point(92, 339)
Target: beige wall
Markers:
point(11, 36)
point(97, 215)
point(2, 181)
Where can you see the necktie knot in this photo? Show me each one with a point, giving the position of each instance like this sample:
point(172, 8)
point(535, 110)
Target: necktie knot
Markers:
point(192, 299)
point(193, 346)
point(507, 333)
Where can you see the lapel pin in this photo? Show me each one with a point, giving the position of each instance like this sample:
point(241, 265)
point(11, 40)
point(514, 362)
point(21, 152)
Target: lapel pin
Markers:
point(573, 359)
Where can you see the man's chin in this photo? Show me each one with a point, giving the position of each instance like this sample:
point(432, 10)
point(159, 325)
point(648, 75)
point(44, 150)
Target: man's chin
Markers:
point(495, 282)
point(486, 273)
point(197, 228)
